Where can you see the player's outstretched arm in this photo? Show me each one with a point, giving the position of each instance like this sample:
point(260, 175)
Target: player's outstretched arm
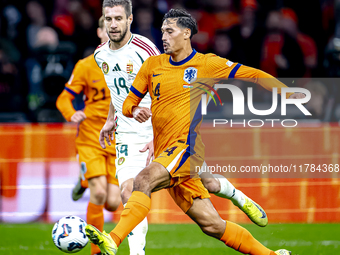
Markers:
point(217, 67)
point(265, 80)
point(260, 77)
point(109, 127)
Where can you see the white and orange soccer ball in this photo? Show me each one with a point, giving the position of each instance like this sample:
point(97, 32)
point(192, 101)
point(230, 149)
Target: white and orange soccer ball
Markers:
point(68, 234)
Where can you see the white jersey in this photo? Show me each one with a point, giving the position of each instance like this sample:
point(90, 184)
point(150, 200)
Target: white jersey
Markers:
point(120, 68)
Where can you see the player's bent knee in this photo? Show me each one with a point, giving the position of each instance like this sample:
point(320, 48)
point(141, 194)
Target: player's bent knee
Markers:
point(112, 204)
point(100, 196)
point(113, 199)
point(212, 185)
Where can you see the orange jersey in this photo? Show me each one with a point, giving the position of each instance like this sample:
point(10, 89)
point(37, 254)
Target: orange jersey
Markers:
point(87, 77)
point(176, 89)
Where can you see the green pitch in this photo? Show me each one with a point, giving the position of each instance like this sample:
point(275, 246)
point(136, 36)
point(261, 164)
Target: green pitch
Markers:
point(303, 239)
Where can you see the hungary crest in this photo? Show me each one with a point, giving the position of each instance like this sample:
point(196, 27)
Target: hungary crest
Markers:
point(105, 67)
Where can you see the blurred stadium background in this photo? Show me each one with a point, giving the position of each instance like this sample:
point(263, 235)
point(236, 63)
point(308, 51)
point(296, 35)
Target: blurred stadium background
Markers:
point(42, 40)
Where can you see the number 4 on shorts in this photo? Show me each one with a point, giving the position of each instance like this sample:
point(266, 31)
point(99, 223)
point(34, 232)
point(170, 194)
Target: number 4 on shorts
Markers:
point(170, 151)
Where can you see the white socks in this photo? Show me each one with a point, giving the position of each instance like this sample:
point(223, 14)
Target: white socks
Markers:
point(228, 191)
point(137, 238)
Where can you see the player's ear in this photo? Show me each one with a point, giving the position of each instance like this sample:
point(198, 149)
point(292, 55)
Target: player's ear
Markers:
point(187, 33)
point(130, 19)
point(99, 32)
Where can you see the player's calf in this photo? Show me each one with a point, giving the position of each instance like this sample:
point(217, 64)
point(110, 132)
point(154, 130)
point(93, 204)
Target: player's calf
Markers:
point(220, 186)
point(207, 218)
point(214, 229)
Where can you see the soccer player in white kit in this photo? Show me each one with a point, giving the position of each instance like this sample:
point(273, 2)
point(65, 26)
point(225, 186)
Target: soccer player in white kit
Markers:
point(120, 60)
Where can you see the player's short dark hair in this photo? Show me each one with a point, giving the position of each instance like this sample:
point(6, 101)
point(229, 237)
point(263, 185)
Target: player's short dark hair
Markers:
point(127, 4)
point(101, 22)
point(184, 19)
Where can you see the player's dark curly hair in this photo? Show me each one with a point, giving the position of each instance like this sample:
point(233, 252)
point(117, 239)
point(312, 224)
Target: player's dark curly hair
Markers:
point(127, 4)
point(185, 20)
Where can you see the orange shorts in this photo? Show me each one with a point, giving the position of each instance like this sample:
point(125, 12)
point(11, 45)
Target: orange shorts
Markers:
point(185, 183)
point(97, 162)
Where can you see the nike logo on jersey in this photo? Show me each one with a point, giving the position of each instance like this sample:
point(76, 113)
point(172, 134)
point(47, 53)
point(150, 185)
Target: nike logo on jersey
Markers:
point(94, 81)
point(116, 68)
point(154, 75)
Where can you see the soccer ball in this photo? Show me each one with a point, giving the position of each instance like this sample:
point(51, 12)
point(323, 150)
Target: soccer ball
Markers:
point(68, 234)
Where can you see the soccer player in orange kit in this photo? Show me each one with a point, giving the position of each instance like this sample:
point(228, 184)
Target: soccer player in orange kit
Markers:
point(97, 165)
point(177, 142)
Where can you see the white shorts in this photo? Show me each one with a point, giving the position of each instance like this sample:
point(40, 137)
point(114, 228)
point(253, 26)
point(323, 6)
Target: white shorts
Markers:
point(129, 161)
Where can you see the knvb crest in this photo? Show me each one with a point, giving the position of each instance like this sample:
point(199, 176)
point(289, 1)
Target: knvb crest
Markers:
point(190, 75)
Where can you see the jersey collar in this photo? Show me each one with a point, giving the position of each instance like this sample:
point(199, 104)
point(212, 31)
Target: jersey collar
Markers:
point(188, 58)
point(124, 46)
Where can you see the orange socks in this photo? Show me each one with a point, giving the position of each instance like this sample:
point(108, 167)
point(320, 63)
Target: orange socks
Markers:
point(136, 209)
point(241, 240)
point(95, 217)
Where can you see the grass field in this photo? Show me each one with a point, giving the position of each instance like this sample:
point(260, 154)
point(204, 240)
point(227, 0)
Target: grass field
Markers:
point(311, 239)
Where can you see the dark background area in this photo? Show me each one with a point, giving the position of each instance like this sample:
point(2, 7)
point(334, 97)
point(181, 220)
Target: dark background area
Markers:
point(40, 42)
